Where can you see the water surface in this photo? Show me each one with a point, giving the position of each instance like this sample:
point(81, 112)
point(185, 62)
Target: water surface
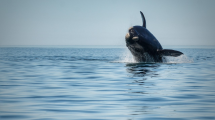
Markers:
point(64, 83)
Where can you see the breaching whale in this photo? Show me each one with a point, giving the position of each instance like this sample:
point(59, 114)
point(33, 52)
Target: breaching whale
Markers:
point(144, 46)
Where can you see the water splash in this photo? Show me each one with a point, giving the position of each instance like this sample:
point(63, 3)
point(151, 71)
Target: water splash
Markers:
point(126, 57)
point(179, 59)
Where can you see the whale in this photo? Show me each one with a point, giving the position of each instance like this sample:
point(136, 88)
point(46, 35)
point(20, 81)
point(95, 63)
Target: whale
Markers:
point(144, 46)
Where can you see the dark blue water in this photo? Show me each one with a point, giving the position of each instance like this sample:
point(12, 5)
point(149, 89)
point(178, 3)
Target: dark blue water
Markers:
point(64, 83)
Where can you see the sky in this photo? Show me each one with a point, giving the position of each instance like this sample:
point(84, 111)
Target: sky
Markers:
point(105, 22)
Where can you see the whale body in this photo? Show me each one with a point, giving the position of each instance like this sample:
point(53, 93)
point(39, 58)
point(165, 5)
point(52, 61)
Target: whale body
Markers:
point(144, 46)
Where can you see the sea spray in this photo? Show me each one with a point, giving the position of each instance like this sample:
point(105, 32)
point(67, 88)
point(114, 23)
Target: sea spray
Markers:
point(179, 59)
point(126, 57)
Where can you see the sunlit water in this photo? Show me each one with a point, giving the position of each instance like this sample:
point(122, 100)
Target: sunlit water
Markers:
point(64, 83)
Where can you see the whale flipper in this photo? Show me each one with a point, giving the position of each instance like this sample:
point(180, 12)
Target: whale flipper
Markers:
point(143, 19)
point(168, 52)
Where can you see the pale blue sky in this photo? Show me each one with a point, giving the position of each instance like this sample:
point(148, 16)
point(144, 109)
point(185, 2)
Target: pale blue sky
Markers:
point(105, 22)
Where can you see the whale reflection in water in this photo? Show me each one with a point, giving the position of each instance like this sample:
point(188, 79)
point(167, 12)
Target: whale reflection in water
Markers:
point(142, 69)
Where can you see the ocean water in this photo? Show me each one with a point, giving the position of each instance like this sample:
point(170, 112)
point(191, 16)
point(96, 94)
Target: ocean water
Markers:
point(105, 83)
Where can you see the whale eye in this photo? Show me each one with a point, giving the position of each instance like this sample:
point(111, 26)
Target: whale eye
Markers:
point(132, 32)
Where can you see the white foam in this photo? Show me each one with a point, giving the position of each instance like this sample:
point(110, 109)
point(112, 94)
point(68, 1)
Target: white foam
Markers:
point(126, 57)
point(179, 59)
